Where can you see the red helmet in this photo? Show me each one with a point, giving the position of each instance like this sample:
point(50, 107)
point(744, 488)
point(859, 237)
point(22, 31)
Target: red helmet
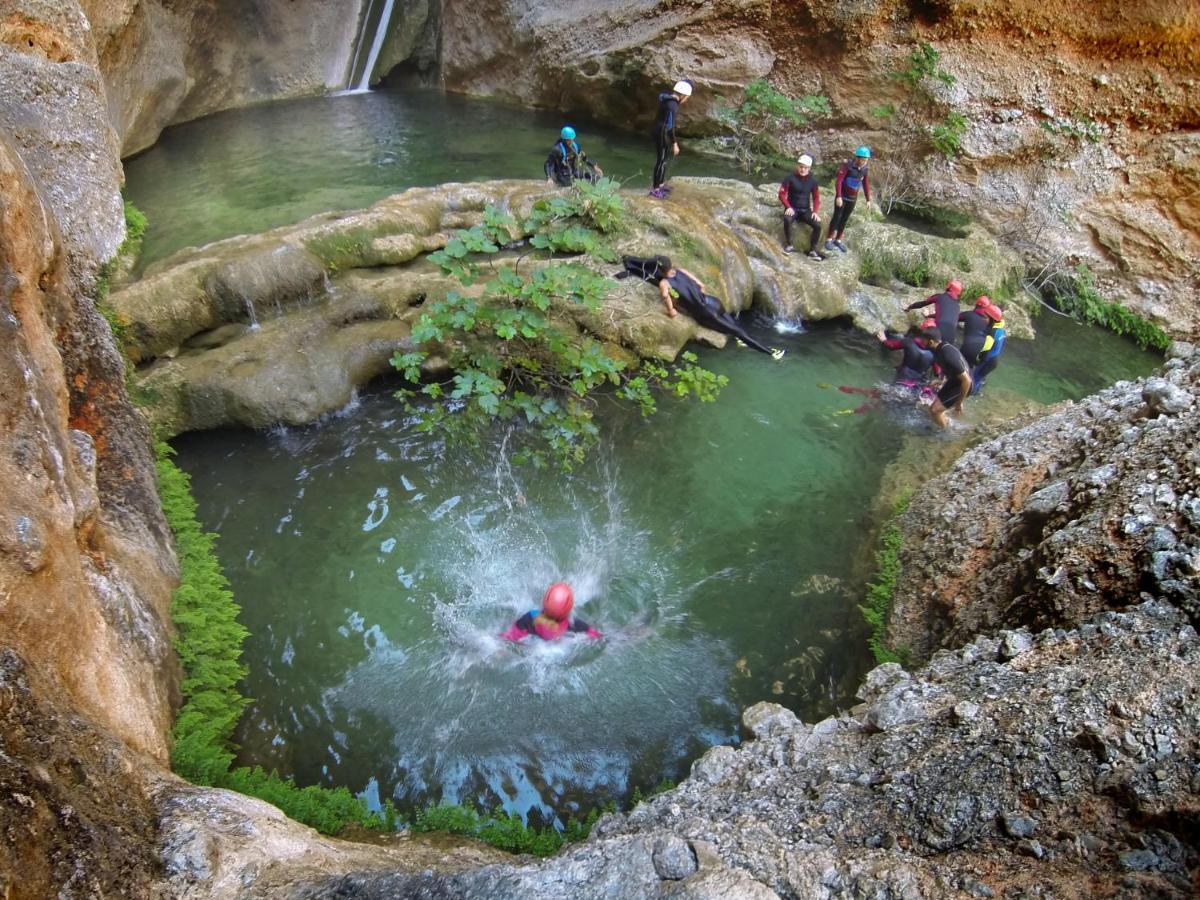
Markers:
point(559, 601)
point(954, 288)
point(983, 300)
point(929, 323)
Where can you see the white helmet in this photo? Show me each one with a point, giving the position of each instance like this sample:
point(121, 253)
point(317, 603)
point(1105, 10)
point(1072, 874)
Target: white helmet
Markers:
point(683, 88)
point(804, 160)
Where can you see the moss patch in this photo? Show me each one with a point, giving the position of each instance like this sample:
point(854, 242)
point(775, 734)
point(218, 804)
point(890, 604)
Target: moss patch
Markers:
point(878, 605)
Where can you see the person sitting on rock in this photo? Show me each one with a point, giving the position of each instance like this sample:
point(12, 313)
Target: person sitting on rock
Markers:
point(851, 178)
point(801, 199)
point(676, 284)
point(945, 308)
point(568, 162)
point(958, 377)
point(553, 620)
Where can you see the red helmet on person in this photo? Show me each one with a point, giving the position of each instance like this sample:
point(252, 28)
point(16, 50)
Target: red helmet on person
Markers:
point(985, 306)
point(929, 323)
point(954, 288)
point(559, 601)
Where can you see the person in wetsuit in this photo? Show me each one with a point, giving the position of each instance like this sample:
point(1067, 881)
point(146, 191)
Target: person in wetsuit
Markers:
point(665, 145)
point(951, 395)
point(801, 199)
point(917, 360)
point(553, 620)
point(851, 178)
point(977, 328)
point(989, 356)
point(567, 161)
point(945, 309)
point(679, 286)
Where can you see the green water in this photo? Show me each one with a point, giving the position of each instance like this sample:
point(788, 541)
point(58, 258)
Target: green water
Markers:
point(713, 546)
point(248, 170)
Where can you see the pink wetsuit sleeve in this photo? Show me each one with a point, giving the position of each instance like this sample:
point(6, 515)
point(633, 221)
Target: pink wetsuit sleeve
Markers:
point(816, 199)
point(892, 343)
point(841, 176)
point(593, 633)
point(514, 633)
point(783, 195)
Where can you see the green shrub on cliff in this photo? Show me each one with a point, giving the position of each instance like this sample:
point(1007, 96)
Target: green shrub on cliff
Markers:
point(762, 114)
point(880, 592)
point(1075, 293)
point(515, 355)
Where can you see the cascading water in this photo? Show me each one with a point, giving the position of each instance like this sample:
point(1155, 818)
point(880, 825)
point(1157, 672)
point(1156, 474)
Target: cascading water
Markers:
point(363, 75)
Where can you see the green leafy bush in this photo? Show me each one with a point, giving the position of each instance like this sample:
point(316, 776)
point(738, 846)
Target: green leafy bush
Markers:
point(947, 135)
point(1075, 293)
point(878, 605)
point(763, 112)
point(505, 830)
point(511, 359)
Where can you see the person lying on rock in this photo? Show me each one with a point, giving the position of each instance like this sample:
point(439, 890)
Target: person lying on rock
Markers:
point(958, 378)
point(801, 199)
point(553, 620)
point(568, 162)
point(678, 285)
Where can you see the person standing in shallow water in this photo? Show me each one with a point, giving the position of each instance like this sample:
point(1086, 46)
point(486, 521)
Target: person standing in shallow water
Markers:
point(665, 144)
point(945, 307)
point(958, 378)
point(567, 161)
point(801, 199)
point(851, 178)
point(553, 620)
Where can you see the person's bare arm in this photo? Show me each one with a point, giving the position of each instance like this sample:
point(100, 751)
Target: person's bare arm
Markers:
point(664, 290)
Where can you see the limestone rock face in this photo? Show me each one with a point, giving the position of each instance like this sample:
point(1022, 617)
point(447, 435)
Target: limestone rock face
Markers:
point(1080, 511)
point(166, 62)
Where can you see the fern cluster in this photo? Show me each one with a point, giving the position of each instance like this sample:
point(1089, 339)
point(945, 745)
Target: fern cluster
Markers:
point(209, 644)
point(878, 605)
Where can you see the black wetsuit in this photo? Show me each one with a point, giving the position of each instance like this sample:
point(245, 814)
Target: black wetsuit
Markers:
point(976, 328)
point(916, 362)
point(946, 314)
point(708, 311)
point(951, 361)
point(567, 162)
point(664, 135)
point(801, 194)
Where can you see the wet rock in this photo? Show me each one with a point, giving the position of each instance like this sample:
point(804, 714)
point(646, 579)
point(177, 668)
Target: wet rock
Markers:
point(1017, 825)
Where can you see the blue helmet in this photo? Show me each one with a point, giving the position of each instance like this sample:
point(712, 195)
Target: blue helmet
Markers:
point(568, 133)
point(864, 152)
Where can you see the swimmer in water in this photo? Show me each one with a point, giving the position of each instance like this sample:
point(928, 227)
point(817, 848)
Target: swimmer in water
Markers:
point(553, 620)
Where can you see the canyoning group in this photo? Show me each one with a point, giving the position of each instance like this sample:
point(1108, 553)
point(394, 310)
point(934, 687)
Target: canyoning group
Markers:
point(933, 369)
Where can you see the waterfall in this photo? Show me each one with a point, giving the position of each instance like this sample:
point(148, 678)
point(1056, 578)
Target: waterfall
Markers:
point(381, 29)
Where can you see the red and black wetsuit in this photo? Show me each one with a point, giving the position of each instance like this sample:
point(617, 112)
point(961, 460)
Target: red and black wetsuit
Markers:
point(946, 306)
point(953, 365)
point(976, 328)
point(851, 178)
point(533, 622)
point(802, 194)
point(664, 135)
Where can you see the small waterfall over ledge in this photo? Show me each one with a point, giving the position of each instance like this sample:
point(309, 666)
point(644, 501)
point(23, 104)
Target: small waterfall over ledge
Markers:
point(376, 13)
